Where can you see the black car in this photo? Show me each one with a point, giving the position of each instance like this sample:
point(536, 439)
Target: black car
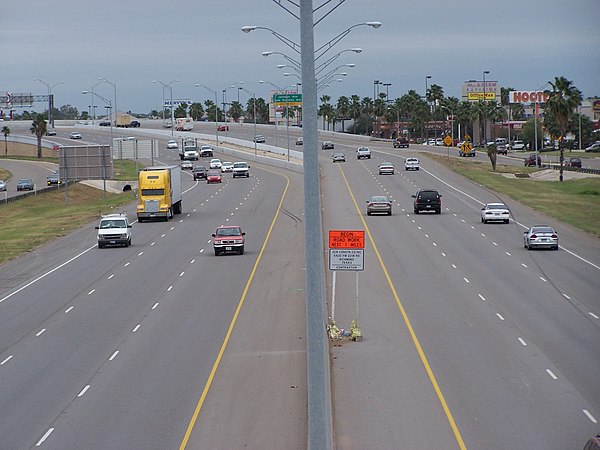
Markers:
point(199, 173)
point(25, 184)
point(327, 145)
point(530, 160)
point(134, 124)
point(574, 162)
point(105, 123)
point(427, 200)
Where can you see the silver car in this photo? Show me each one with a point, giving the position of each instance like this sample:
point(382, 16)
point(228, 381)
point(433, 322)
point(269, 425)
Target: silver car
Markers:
point(495, 212)
point(2, 185)
point(379, 204)
point(542, 236)
point(339, 157)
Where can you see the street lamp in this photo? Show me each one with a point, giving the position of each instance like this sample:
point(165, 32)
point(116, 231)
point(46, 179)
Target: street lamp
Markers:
point(483, 117)
point(116, 111)
point(168, 85)
point(328, 45)
point(50, 99)
point(216, 110)
point(108, 108)
point(288, 58)
point(326, 63)
point(291, 44)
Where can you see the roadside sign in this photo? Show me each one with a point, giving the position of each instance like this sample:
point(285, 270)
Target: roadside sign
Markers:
point(287, 99)
point(346, 239)
point(448, 141)
point(346, 259)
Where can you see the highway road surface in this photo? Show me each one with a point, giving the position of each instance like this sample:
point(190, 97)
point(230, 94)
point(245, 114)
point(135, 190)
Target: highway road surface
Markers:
point(470, 340)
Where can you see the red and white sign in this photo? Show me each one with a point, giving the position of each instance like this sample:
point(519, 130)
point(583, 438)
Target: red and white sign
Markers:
point(528, 96)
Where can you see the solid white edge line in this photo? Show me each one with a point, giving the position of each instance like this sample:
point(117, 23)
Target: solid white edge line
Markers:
point(44, 437)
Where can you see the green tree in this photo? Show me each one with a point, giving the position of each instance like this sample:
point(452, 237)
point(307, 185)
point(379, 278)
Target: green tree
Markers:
point(355, 110)
point(196, 111)
point(496, 113)
point(463, 115)
point(343, 109)
point(326, 111)
point(181, 110)
point(528, 133)
point(517, 111)
point(236, 110)
point(562, 104)
point(39, 128)
point(6, 133)
point(366, 108)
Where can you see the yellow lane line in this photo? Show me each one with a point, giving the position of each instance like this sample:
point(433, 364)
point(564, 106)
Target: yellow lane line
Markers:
point(413, 335)
point(231, 325)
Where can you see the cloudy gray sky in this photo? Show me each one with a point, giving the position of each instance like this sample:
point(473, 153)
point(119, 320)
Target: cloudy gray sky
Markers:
point(523, 43)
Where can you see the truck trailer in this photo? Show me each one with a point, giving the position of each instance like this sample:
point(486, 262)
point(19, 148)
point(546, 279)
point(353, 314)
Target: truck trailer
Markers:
point(159, 193)
point(184, 124)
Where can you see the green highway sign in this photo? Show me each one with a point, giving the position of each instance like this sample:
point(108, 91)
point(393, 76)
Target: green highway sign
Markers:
point(287, 98)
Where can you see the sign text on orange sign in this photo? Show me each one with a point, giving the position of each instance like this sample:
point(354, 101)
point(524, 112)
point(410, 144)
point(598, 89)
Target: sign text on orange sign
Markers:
point(346, 239)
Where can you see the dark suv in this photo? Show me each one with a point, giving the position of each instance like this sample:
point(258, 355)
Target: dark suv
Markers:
point(199, 172)
point(427, 200)
point(530, 160)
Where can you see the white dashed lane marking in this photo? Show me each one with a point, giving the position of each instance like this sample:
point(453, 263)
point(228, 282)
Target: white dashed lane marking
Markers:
point(554, 377)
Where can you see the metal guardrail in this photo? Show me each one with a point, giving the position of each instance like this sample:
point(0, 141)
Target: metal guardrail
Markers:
point(5, 200)
point(571, 169)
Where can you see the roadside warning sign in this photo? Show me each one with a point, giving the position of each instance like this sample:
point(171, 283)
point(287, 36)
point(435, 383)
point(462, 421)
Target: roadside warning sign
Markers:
point(346, 239)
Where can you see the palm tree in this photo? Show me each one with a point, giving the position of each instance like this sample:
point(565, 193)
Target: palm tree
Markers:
point(39, 128)
point(562, 104)
point(366, 108)
point(6, 133)
point(343, 108)
point(355, 110)
point(463, 115)
point(196, 111)
point(326, 110)
point(496, 113)
point(236, 110)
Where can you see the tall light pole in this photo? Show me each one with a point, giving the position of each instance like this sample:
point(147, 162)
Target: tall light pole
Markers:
point(168, 85)
point(484, 102)
point(50, 99)
point(115, 110)
point(216, 110)
point(94, 106)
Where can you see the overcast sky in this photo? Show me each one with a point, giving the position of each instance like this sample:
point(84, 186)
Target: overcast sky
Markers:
point(523, 43)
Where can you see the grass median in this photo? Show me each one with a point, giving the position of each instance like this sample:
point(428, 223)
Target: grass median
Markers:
point(575, 202)
point(35, 220)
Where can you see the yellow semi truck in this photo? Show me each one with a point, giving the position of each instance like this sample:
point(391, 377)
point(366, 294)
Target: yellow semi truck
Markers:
point(159, 193)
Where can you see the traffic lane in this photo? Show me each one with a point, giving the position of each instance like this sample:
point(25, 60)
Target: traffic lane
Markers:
point(150, 292)
point(37, 171)
point(260, 385)
point(387, 346)
point(412, 272)
point(180, 337)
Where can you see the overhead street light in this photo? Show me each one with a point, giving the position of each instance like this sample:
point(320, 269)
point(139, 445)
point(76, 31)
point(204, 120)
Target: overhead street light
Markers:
point(319, 52)
point(50, 102)
point(168, 85)
point(288, 58)
point(115, 96)
point(325, 64)
point(216, 110)
point(291, 44)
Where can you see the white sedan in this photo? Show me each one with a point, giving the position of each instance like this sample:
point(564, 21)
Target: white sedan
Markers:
point(215, 163)
point(495, 212)
point(172, 144)
point(412, 164)
point(227, 166)
point(386, 169)
point(75, 135)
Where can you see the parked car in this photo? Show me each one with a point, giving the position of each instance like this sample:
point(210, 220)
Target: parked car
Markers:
point(2, 185)
point(215, 163)
point(411, 164)
point(339, 157)
point(300, 141)
point(530, 160)
point(495, 212)
point(542, 236)
point(574, 162)
point(363, 152)
point(379, 204)
point(228, 239)
point(226, 166)
point(25, 184)
point(199, 172)
point(327, 145)
point(260, 138)
point(595, 147)
point(427, 200)
point(386, 168)
point(518, 145)
point(75, 135)
point(213, 176)
point(223, 128)
point(172, 144)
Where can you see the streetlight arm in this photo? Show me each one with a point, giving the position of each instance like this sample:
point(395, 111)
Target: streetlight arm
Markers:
point(291, 44)
point(291, 60)
point(325, 64)
point(327, 46)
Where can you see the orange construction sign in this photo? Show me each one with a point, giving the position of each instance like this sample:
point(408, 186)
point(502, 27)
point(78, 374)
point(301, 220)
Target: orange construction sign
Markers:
point(346, 239)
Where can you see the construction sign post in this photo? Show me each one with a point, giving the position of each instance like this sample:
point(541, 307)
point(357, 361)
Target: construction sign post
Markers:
point(346, 250)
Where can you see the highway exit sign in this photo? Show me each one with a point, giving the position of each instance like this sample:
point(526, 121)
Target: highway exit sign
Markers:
point(287, 99)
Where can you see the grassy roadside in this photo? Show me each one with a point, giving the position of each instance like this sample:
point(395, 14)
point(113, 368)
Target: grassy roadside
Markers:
point(575, 202)
point(30, 222)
